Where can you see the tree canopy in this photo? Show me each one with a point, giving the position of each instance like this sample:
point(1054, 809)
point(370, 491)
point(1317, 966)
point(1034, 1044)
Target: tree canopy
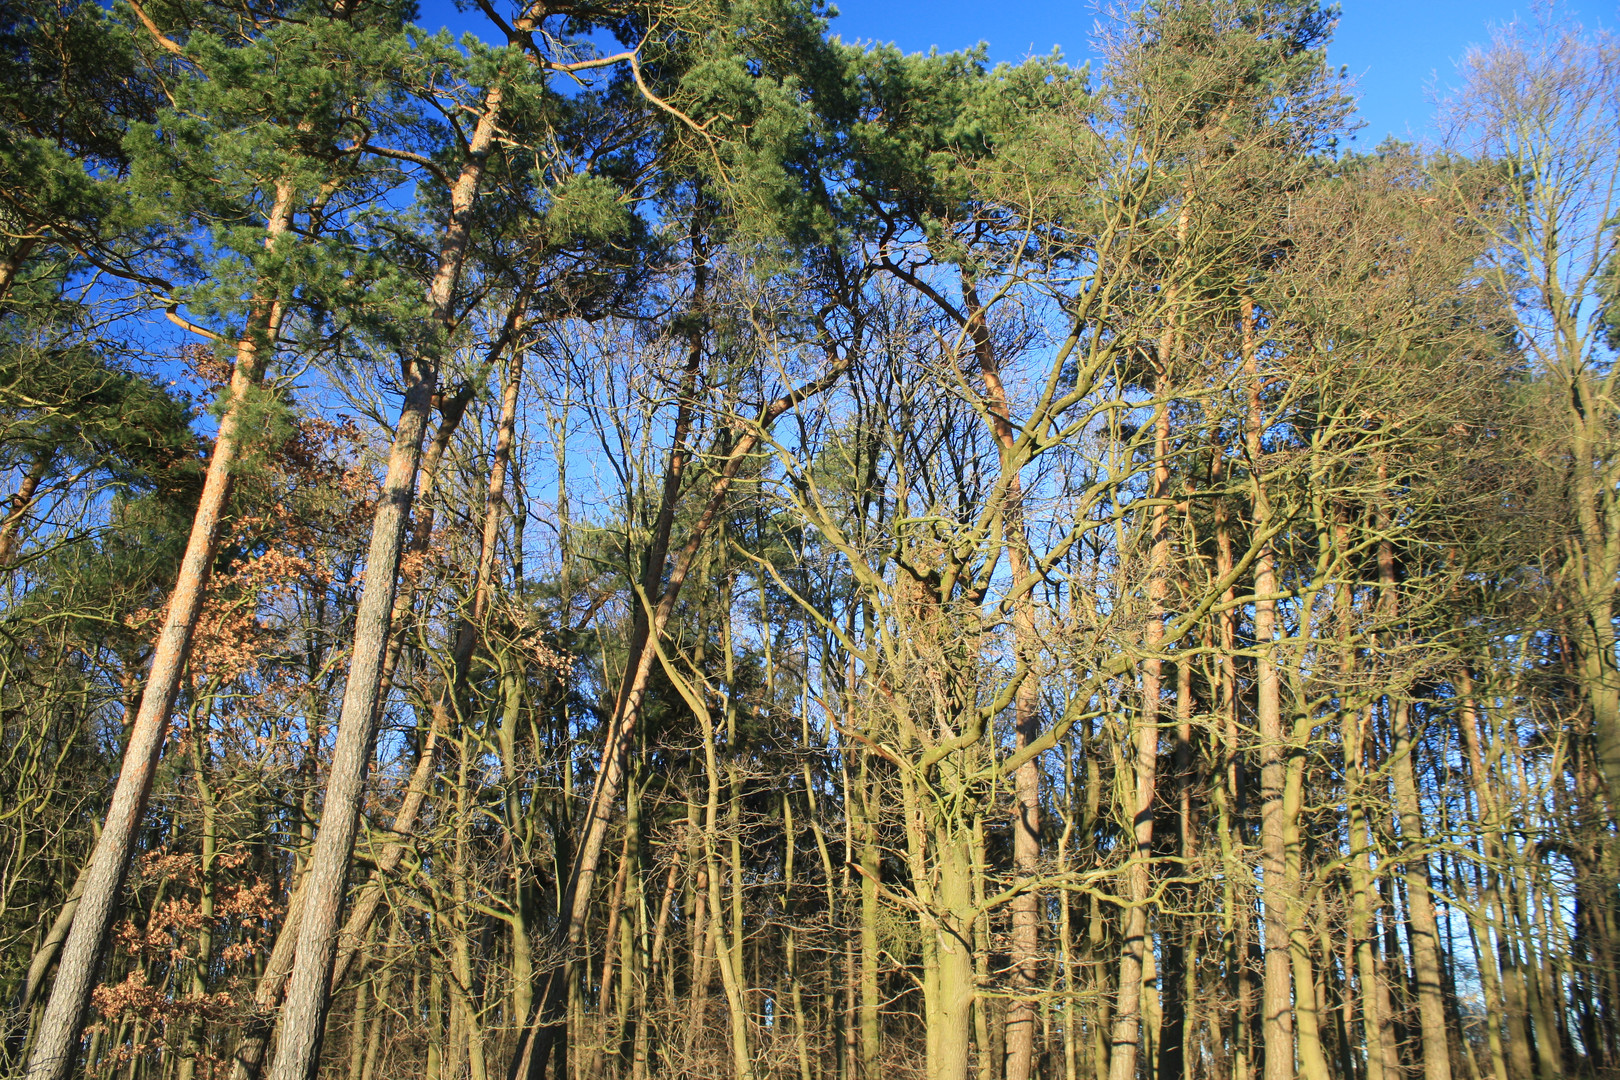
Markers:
point(649, 540)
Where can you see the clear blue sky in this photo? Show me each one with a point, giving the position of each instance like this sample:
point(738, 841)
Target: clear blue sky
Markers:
point(1397, 50)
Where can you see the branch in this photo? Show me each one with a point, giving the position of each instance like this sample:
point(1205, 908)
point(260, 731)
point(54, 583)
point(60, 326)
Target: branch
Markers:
point(162, 39)
point(186, 324)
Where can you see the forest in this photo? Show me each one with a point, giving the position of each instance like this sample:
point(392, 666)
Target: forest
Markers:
point(649, 540)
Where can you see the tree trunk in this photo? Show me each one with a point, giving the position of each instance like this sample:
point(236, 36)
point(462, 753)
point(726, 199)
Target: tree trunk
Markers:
point(57, 1040)
point(309, 986)
point(1179, 964)
point(1312, 1061)
point(248, 1057)
point(1129, 1013)
point(192, 1042)
point(1026, 816)
point(950, 1005)
point(1425, 931)
point(871, 875)
point(21, 503)
point(1277, 1011)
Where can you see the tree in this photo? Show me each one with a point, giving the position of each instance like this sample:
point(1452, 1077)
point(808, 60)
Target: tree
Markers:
point(1538, 109)
point(256, 229)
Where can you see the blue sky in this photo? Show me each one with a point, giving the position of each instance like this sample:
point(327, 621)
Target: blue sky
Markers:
point(1397, 50)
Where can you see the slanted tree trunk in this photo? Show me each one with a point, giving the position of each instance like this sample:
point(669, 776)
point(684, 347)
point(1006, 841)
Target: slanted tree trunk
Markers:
point(249, 1053)
point(309, 986)
point(56, 1042)
point(648, 630)
point(21, 503)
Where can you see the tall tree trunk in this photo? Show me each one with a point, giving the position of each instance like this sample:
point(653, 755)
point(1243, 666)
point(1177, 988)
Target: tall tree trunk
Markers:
point(309, 986)
point(357, 1030)
point(727, 949)
point(1276, 1004)
point(1072, 1036)
point(1129, 1012)
point(1026, 817)
point(57, 1040)
point(952, 977)
point(1230, 789)
point(192, 1042)
point(989, 1019)
point(1490, 953)
point(1374, 1012)
point(249, 1053)
point(1312, 1061)
point(1425, 931)
point(610, 943)
point(1593, 562)
point(1180, 966)
point(863, 826)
